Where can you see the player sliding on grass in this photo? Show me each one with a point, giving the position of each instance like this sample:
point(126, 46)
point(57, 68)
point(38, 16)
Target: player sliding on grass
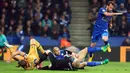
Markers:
point(78, 58)
point(30, 60)
point(63, 59)
point(101, 25)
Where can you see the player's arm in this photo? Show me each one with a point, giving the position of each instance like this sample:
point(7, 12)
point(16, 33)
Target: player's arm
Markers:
point(111, 14)
point(19, 53)
point(6, 42)
point(16, 56)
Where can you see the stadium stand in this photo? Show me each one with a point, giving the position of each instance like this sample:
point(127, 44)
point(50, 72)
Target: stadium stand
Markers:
point(44, 18)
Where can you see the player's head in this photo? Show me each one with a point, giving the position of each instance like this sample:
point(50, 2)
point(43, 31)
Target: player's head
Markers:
point(22, 63)
point(56, 51)
point(110, 6)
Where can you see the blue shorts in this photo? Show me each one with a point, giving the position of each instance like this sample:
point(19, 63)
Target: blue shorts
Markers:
point(98, 34)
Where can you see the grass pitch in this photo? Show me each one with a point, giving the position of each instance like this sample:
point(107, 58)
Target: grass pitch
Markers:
point(112, 67)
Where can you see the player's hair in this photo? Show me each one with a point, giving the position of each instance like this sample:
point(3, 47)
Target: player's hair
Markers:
point(22, 63)
point(55, 48)
point(111, 2)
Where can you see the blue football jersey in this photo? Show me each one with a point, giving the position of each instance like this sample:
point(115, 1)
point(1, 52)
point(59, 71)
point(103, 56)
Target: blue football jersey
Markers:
point(102, 20)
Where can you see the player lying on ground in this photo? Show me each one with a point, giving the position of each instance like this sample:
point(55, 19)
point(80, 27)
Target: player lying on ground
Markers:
point(66, 60)
point(78, 59)
point(30, 60)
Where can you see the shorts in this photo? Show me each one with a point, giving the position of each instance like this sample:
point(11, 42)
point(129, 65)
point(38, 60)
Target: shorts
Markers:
point(98, 34)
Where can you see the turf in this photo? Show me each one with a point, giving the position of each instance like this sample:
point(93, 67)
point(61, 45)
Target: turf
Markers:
point(112, 67)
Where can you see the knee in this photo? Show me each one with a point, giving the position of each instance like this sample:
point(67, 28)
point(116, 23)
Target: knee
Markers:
point(105, 38)
point(93, 45)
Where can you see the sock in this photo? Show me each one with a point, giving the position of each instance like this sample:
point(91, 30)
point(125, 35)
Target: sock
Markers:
point(41, 49)
point(91, 64)
point(95, 49)
point(21, 47)
point(106, 42)
point(90, 54)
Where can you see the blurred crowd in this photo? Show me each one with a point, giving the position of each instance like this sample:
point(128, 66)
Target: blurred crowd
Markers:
point(120, 25)
point(46, 18)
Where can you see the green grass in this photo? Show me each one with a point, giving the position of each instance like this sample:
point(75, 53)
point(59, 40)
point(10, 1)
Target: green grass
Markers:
point(112, 67)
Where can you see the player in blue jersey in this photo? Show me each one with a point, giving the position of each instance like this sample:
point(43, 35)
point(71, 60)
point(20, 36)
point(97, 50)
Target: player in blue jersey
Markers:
point(77, 62)
point(101, 25)
point(64, 59)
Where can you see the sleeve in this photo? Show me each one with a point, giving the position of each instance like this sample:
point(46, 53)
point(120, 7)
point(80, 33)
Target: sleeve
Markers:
point(4, 38)
point(102, 10)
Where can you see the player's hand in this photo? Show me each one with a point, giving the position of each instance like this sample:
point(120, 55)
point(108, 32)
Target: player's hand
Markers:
point(48, 51)
point(8, 45)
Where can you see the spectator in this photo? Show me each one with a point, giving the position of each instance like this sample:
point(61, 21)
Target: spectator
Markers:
point(20, 22)
point(40, 28)
point(2, 22)
point(67, 8)
point(126, 42)
point(3, 16)
point(119, 19)
point(13, 14)
point(67, 16)
point(49, 13)
point(47, 21)
point(103, 3)
point(65, 33)
point(123, 28)
point(56, 26)
point(29, 23)
point(29, 13)
point(48, 4)
point(113, 28)
point(55, 34)
point(46, 31)
point(92, 15)
point(3, 30)
point(18, 35)
point(1, 3)
point(12, 23)
point(10, 31)
point(127, 4)
point(56, 9)
point(94, 4)
point(122, 8)
point(38, 5)
point(3, 11)
point(63, 21)
point(13, 3)
point(55, 16)
point(28, 32)
point(6, 5)
point(21, 3)
point(38, 15)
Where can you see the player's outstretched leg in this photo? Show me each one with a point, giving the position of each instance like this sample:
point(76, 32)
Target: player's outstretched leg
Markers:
point(96, 49)
point(92, 64)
